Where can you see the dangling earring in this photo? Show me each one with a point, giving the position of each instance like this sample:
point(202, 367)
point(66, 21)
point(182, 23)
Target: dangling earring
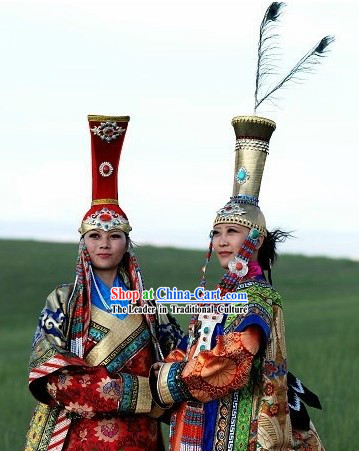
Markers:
point(239, 264)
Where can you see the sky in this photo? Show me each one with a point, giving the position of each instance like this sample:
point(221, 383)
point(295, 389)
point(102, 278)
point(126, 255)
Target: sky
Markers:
point(181, 70)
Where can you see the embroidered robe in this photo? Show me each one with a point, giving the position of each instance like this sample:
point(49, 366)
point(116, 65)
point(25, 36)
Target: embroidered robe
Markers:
point(234, 396)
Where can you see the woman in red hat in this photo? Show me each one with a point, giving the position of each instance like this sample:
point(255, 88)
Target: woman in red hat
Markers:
point(89, 367)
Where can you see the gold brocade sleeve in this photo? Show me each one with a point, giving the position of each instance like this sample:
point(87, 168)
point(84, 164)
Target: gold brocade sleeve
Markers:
point(212, 374)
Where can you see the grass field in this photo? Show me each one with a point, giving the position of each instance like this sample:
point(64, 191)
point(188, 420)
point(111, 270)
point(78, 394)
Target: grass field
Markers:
point(321, 304)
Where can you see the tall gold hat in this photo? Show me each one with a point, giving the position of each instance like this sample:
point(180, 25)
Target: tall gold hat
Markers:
point(252, 144)
point(253, 133)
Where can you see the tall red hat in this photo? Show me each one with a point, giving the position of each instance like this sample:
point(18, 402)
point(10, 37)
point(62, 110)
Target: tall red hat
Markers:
point(107, 136)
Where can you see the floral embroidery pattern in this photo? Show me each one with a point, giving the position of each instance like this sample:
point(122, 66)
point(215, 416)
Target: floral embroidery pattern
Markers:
point(64, 380)
point(107, 430)
point(272, 370)
point(93, 397)
point(268, 389)
point(52, 389)
point(109, 389)
point(273, 409)
point(85, 380)
point(84, 411)
point(83, 435)
point(252, 445)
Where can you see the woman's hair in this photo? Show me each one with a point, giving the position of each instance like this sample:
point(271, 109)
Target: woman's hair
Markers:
point(126, 256)
point(267, 253)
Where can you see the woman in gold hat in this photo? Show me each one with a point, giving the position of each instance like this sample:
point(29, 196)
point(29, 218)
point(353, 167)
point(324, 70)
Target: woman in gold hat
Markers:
point(229, 382)
point(89, 365)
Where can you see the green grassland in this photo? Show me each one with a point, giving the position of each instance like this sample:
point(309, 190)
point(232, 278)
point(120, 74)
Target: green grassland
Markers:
point(321, 304)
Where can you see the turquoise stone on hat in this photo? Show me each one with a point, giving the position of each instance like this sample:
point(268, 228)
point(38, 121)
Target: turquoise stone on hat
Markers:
point(242, 175)
point(202, 347)
point(254, 234)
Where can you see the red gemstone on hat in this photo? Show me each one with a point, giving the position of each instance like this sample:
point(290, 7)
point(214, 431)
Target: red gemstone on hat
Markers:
point(239, 266)
point(108, 131)
point(106, 169)
point(105, 217)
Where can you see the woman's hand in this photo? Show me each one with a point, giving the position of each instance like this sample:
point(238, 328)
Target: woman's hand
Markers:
point(156, 367)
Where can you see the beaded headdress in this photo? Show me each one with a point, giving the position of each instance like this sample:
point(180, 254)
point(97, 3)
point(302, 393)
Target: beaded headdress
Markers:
point(107, 136)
